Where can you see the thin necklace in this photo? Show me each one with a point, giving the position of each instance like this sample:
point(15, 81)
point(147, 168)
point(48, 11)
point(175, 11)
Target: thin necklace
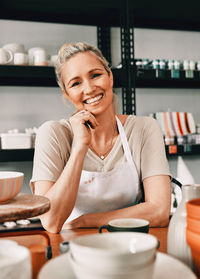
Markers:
point(102, 156)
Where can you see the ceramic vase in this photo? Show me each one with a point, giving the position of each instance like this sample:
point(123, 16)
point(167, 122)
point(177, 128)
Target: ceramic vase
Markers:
point(176, 240)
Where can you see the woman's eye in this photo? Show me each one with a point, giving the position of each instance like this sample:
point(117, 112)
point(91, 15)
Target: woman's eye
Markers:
point(96, 75)
point(75, 83)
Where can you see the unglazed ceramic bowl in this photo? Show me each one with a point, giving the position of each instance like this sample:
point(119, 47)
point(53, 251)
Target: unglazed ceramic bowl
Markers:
point(10, 184)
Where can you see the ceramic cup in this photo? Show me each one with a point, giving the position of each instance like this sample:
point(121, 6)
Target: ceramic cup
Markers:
point(14, 47)
point(20, 58)
point(140, 272)
point(114, 251)
point(126, 224)
point(53, 59)
point(40, 58)
point(37, 56)
point(6, 56)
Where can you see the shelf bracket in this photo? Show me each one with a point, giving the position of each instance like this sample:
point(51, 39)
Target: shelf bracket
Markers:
point(103, 41)
point(127, 57)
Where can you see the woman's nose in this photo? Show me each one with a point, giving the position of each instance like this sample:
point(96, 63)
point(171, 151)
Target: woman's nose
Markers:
point(89, 87)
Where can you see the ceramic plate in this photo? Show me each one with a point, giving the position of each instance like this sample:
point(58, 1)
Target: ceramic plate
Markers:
point(166, 267)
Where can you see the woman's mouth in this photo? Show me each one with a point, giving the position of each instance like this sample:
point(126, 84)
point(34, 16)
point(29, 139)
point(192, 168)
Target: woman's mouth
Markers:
point(93, 100)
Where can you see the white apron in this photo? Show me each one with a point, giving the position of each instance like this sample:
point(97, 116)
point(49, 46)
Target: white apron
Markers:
point(106, 191)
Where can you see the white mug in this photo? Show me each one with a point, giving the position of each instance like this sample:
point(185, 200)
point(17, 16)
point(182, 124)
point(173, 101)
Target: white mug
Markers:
point(31, 52)
point(6, 56)
point(40, 58)
point(20, 58)
point(53, 59)
point(14, 47)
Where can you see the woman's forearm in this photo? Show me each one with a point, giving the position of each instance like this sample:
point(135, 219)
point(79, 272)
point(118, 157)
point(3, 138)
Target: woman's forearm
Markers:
point(62, 194)
point(155, 209)
point(154, 214)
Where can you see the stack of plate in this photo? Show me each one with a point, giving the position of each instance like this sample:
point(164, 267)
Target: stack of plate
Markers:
point(176, 123)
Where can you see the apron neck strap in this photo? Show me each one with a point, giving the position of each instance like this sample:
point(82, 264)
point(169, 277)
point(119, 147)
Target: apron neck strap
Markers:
point(124, 141)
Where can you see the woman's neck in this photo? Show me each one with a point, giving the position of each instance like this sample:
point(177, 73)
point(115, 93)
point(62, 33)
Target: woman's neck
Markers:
point(107, 122)
point(104, 136)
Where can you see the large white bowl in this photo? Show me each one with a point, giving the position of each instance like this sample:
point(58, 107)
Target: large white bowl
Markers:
point(115, 250)
point(84, 272)
point(15, 260)
point(10, 184)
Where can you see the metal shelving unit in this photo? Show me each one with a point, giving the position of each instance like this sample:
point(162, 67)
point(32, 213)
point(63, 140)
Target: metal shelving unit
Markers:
point(17, 155)
point(104, 14)
point(182, 150)
point(45, 76)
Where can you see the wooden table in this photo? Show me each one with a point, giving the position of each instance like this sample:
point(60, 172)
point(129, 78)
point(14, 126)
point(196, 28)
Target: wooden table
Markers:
point(67, 235)
point(36, 242)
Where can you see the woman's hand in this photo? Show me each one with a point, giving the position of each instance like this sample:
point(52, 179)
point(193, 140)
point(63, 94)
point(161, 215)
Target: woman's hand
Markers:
point(75, 224)
point(89, 220)
point(82, 122)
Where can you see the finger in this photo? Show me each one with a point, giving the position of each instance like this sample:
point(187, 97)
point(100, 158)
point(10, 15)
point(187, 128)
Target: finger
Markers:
point(89, 122)
point(88, 119)
point(92, 118)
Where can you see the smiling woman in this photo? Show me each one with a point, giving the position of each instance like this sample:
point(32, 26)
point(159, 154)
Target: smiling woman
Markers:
point(98, 165)
point(86, 83)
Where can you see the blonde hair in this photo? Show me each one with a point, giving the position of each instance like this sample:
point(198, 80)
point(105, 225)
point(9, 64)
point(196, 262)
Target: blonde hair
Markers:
point(69, 50)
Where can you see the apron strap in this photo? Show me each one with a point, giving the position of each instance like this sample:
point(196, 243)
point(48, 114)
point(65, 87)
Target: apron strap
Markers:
point(125, 143)
point(128, 155)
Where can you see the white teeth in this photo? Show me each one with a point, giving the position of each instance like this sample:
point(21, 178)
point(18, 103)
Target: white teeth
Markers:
point(92, 100)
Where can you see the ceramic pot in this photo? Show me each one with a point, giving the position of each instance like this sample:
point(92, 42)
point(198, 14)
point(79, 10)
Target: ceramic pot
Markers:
point(193, 224)
point(176, 241)
point(193, 209)
point(193, 240)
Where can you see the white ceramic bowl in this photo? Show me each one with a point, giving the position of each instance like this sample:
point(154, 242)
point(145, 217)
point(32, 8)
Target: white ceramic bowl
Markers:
point(115, 250)
point(10, 184)
point(85, 272)
point(15, 260)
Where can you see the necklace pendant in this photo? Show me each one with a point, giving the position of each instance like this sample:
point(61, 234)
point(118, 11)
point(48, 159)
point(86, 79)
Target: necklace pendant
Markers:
point(102, 157)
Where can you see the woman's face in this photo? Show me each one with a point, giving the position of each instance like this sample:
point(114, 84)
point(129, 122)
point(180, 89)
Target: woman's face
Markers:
point(87, 84)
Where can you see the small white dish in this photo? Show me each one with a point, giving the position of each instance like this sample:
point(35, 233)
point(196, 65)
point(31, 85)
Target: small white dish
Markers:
point(165, 267)
point(15, 141)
